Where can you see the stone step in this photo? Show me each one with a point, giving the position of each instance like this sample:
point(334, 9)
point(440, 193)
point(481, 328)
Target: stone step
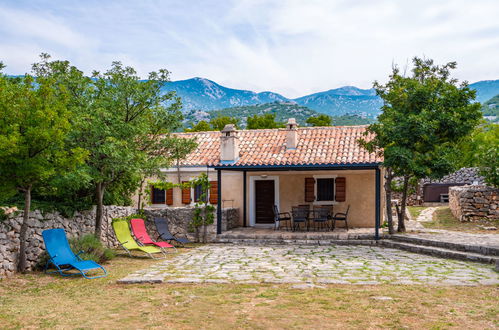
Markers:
point(439, 251)
point(297, 236)
point(287, 241)
point(478, 249)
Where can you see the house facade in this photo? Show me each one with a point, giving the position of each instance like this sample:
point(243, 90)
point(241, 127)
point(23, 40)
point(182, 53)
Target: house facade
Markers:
point(253, 170)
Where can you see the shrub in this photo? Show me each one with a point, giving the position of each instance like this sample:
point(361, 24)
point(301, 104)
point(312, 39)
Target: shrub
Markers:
point(92, 248)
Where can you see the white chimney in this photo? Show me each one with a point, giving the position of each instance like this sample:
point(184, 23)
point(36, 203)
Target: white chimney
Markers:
point(291, 134)
point(229, 144)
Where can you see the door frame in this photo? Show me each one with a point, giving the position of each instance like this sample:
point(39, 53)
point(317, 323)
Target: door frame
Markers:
point(252, 208)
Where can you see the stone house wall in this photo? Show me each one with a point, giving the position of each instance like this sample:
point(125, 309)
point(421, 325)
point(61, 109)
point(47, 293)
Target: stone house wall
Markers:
point(84, 223)
point(470, 203)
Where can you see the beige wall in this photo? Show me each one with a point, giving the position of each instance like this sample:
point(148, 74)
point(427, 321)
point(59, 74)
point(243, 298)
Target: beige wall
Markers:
point(360, 191)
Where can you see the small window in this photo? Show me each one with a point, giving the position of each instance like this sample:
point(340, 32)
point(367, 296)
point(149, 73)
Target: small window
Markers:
point(198, 192)
point(158, 196)
point(325, 189)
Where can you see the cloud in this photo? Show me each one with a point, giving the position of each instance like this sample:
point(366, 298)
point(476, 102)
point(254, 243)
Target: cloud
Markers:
point(291, 47)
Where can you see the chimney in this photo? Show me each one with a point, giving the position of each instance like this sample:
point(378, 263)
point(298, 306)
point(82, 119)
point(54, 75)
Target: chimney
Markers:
point(291, 134)
point(229, 144)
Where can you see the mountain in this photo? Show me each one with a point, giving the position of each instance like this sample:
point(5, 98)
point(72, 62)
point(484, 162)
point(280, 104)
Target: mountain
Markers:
point(485, 89)
point(282, 110)
point(204, 94)
point(344, 100)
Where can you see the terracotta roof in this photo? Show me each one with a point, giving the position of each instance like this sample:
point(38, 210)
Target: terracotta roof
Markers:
point(316, 146)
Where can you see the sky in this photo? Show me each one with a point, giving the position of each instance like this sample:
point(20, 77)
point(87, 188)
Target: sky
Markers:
point(288, 46)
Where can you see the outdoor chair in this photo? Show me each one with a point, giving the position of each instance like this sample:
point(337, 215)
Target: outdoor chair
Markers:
point(300, 215)
point(341, 216)
point(280, 217)
point(63, 258)
point(127, 242)
point(164, 232)
point(321, 218)
point(140, 232)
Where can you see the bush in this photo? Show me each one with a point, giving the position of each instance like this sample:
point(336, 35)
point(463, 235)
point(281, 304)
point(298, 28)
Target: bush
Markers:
point(92, 248)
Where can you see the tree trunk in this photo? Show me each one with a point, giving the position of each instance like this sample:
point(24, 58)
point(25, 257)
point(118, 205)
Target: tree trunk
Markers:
point(141, 191)
point(99, 196)
point(22, 262)
point(388, 200)
point(401, 212)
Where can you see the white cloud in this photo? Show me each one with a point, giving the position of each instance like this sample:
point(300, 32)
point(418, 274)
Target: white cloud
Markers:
point(292, 47)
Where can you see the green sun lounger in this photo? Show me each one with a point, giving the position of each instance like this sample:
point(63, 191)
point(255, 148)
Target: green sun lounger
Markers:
point(124, 236)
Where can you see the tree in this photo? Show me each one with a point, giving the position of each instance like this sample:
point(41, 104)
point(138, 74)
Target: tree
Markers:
point(423, 117)
point(34, 129)
point(480, 150)
point(265, 121)
point(320, 120)
point(218, 123)
point(122, 120)
point(201, 126)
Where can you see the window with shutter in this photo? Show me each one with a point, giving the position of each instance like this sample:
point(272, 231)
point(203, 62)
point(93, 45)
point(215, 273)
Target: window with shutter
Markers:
point(309, 189)
point(186, 194)
point(341, 185)
point(213, 192)
point(169, 196)
point(198, 193)
point(158, 196)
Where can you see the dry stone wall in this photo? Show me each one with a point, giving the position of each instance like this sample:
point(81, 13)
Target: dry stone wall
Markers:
point(84, 223)
point(470, 203)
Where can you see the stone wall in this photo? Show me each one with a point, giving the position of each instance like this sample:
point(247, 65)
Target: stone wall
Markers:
point(81, 223)
point(84, 223)
point(470, 203)
point(468, 175)
point(179, 218)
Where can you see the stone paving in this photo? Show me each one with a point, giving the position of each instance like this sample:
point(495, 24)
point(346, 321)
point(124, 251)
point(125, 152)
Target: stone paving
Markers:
point(315, 265)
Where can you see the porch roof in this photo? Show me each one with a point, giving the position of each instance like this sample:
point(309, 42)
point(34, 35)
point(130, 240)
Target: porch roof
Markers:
point(335, 146)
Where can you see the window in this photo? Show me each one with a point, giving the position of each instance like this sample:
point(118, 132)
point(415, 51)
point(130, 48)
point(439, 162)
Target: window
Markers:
point(198, 192)
point(158, 196)
point(325, 189)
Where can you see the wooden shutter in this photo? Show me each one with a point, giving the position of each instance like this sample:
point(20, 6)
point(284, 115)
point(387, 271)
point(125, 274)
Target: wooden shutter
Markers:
point(213, 192)
point(169, 196)
point(152, 195)
point(341, 189)
point(309, 189)
point(186, 194)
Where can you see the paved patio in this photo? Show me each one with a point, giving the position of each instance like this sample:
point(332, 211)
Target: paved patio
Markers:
point(221, 263)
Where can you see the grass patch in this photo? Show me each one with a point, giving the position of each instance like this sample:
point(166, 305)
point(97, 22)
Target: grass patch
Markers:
point(443, 219)
point(415, 211)
point(37, 300)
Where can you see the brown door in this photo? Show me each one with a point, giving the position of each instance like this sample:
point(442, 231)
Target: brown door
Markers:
point(264, 201)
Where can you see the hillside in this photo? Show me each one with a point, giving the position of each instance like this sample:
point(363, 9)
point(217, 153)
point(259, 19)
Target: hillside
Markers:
point(491, 109)
point(485, 89)
point(282, 110)
point(206, 95)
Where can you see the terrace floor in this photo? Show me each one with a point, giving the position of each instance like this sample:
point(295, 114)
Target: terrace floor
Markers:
point(312, 265)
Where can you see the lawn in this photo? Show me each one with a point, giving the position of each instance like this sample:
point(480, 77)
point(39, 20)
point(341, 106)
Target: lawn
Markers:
point(415, 211)
point(39, 300)
point(443, 219)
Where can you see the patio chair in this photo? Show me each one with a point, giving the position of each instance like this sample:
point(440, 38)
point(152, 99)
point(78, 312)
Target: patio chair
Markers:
point(341, 216)
point(63, 258)
point(140, 232)
point(280, 217)
point(165, 234)
point(321, 218)
point(300, 215)
point(127, 242)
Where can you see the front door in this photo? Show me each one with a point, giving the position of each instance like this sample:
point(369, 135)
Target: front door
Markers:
point(264, 201)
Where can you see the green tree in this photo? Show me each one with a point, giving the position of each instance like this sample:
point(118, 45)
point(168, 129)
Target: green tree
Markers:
point(202, 126)
point(481, 149)
point(320, 120)
point(34, 128)
point(218, 123)
point(265, 121)
point(122, 120)
point(423, 117)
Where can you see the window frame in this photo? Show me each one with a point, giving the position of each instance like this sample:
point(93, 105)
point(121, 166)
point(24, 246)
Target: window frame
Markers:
point(325, 176)
point(153, 195)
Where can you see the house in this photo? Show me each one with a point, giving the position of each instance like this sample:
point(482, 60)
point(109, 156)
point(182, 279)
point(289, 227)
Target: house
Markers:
point(252, 170)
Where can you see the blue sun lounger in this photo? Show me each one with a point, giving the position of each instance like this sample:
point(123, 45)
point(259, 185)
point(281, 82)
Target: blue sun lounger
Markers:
point(63, 258)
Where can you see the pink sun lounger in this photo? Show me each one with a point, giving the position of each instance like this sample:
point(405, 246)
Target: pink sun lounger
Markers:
point(140, 232)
